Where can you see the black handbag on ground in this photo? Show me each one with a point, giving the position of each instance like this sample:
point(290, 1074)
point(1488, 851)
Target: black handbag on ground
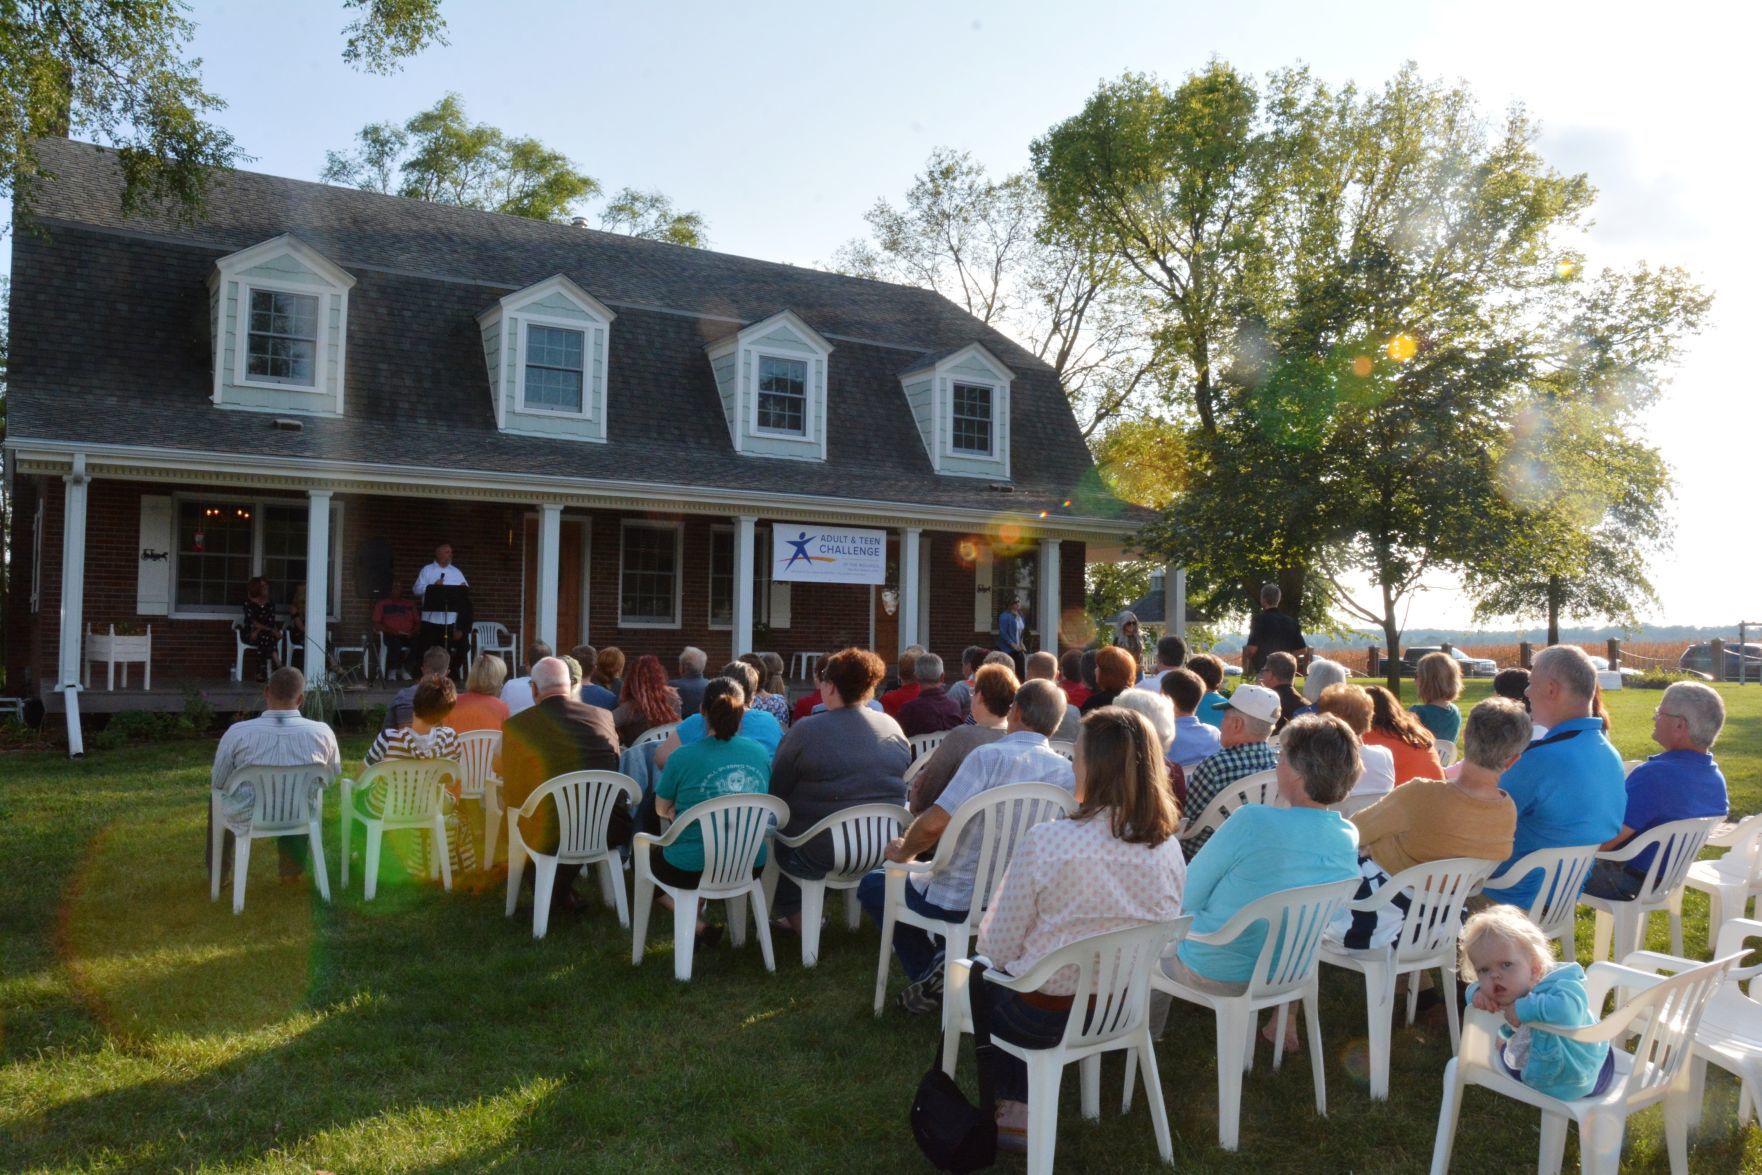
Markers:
point(954, 1134)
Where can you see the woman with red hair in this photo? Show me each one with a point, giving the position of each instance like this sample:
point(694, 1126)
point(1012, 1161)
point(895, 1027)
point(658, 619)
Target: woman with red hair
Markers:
point(1115, 672)
point(648, 700)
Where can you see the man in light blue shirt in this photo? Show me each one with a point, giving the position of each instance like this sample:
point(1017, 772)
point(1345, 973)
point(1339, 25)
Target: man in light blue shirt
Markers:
point(1011, 629)
point(1020, 756)
point(1569, 787)
point(1195, 741)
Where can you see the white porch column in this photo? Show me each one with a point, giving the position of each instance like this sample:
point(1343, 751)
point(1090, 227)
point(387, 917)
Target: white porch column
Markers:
point(317, 582)
point(1174, 601)
point(73, 598)
point(550, 540)
point(1050, 603)
point(745, 551)
point(911, 544)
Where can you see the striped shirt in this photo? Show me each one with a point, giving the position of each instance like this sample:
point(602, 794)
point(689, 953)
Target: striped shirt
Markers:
point(1205, 781)
point(275, 738)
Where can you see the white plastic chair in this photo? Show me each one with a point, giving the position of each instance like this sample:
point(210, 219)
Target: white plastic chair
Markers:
point(1729, 882)
point(584, 801)
point(413, 790)
point(733, 829)
point(1446, 751)
point(1678, 843)
point(1655, 1071)
point(1435, 891)
point(240, 648)
point(1113, 978)
point(1294, 920)
point(1353, 805)
point(1260, 788)
point(913, 768)
point(1063, 746)
point(285, 801)
point(491, 636)
point(858, 835)
point(1730, 1034)
point(478, 781)
point(999, 817)
point(656, 734)
point(1555, 907)
point(924, 744)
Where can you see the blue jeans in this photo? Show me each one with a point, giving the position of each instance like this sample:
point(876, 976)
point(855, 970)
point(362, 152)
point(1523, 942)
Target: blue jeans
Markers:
point(1019, 1022)
point(917, 949)
point(804, 862)
point(1611, 880)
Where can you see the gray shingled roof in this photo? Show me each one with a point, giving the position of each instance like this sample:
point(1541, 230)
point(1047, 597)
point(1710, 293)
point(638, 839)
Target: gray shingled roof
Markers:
point(111, 344)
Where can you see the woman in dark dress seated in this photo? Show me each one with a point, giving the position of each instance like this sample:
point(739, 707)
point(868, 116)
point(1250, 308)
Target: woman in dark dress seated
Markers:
point(261, 630)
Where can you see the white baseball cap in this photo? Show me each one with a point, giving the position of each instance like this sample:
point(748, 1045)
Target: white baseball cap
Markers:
point(1256, 701)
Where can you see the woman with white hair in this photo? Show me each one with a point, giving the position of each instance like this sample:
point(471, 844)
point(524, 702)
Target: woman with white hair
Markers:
point(1159, 711)
point(1321, 674)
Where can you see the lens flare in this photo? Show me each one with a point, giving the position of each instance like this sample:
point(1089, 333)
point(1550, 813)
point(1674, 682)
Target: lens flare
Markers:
point(1355, 1059)
point(1009, 534)
point(1566, 270)
point(1361, 367)
point(1402, 347)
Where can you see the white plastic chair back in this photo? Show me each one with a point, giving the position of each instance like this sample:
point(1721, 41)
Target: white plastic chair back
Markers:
point(1063, 746)
point(284, 800)
point(733, 830)
point(477, 754)
point(1679, 843)
point(412, 788)
point(656, 734)
point(1446, 751)
point(859, 836)
point(1743, 864)
point(1352, 805)
point(1000, 818)
point(1436, 892)
point(1260, 788)
point(913, 768)
point(1672, 1011)
point(1294, 920)
point(1113, 978)
point(1563, 870)
point(490, 635)
point(585, 801)
point(924, 744)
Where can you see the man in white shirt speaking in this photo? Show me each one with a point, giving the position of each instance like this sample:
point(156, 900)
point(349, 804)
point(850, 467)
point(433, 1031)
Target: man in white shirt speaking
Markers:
point(442, 627)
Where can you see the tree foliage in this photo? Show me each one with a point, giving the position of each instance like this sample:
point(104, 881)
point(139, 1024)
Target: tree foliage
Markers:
point(440, 155)
point(387, 31)
point(1359, 295)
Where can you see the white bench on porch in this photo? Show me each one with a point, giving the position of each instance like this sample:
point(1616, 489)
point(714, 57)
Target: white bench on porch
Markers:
point(113, 650)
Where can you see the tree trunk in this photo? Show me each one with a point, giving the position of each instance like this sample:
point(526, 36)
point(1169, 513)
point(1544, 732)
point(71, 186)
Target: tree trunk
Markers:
point(1553, 609)
point(1392, 637)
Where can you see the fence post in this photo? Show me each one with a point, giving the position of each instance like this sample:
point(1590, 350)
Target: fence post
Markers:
point(1373, 657)
point(1526, 653)
point(1447, 648)
point(1615, 653)
point(1716, 665)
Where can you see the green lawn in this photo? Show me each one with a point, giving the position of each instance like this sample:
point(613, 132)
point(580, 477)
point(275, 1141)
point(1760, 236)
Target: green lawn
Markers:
point(146, 1029)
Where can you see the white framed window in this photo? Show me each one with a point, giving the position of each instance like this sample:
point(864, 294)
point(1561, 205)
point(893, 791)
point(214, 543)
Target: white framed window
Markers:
point(722, 577)
point(554, 376)
point(780, 397)
point(220, 543)
point(282, 339)
point(971, 425)
point(651, 558)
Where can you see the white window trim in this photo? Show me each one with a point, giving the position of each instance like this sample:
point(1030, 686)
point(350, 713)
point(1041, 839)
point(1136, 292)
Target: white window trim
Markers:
point(761, 600)
point(678, 528)
point(808, 419)
point(584, 328)
point(953, 450)
point(242, 335)
point(37, 556)
point(256, 506)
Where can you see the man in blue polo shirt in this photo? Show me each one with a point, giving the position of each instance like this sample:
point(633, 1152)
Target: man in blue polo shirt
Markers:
point(1568, 787)
point(1680, 784)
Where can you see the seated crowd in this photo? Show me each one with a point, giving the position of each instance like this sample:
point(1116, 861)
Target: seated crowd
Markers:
point(1361, 792)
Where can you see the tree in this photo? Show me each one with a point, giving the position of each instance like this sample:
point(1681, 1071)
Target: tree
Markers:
point(117, 73)
point(440, 155)
point(1359, 292)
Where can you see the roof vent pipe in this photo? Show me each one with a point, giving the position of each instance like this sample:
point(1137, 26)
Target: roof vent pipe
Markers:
point(578, 221)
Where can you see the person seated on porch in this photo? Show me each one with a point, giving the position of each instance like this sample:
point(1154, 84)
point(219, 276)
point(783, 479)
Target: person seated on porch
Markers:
point(647, 701)
point(845, 756)
point(1043, 666)
point(773, 695)
point(1211, 671)
point(278, 737)
point(994, 692)
point(1406, 736)
point(961, 691)
point(260, 628)
point(1319, 676)
point(1195, 742)
point(1114, 864)
point(757, 725)
point(1351, 705)
point(428, 736)
point(1438, 681)
point(691, 680)
point(723, 763)
point(605, 679)
point(1681, 783)
point(906, 685)
point(518, 690)
point(1115, 670)
point(1277, 673)
point(396, 621)
point(398, 712)
point(932, 710)
point(481, 707)
point(1070, 677)
point(296, 624)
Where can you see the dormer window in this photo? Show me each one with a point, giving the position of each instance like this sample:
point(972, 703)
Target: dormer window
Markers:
point(283, 345)
point(547, 350)
point(553, 369)
point(771, 377)
point(782, 403)
point(971, 431)
point(960, 401)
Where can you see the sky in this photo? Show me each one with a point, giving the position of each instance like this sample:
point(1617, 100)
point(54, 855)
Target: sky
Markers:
point(782, 123)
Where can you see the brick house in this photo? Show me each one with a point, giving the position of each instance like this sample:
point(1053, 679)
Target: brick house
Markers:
point(319, 385)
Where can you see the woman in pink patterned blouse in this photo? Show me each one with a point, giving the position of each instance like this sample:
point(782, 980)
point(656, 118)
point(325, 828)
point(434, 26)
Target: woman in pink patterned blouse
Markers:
point(1113, 865)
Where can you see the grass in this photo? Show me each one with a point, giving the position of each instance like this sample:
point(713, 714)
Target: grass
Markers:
point(145, 1028)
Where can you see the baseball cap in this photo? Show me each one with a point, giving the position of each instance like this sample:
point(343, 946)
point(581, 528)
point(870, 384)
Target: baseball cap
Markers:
point(1256, 701)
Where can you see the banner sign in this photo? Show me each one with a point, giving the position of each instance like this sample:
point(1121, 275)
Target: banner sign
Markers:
point(815, 554)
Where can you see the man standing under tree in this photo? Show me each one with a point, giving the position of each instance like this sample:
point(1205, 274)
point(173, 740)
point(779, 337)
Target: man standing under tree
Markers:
point(1011, 629)
point(1271, 631)
point(441, 622)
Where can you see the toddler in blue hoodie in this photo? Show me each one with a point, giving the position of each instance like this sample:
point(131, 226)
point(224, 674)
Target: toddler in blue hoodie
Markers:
point(1516, 975)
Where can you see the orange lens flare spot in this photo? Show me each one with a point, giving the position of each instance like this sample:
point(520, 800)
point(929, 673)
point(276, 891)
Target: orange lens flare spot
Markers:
point(1402, 347)
point(1361, 366)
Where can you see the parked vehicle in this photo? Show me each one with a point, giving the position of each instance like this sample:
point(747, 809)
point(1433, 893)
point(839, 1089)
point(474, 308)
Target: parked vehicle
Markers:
point(1470, 666)
point(1602, 666)
point(1698, 658)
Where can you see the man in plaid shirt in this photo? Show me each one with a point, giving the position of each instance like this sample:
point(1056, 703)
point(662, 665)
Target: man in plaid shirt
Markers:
point(1249, 717)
